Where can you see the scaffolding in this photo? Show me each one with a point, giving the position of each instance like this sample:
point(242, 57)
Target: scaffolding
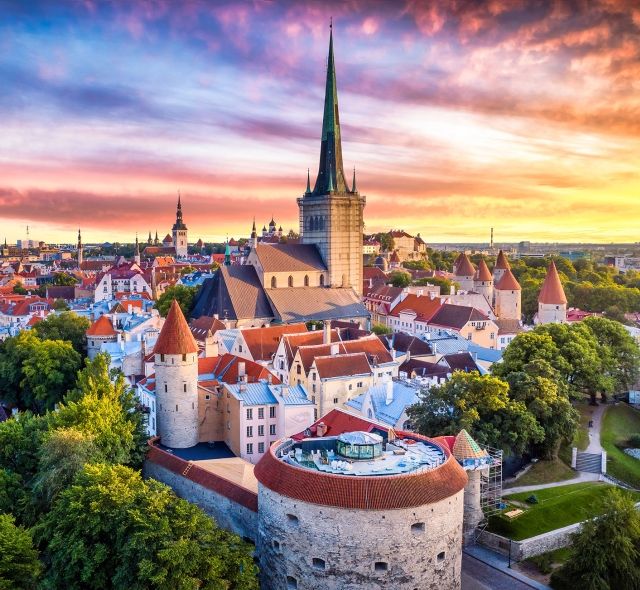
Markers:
point(491, 483)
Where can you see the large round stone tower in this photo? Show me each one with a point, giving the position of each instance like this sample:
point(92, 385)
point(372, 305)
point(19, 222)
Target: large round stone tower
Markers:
point(176, 368)
point(99, 332)
point(360, 510)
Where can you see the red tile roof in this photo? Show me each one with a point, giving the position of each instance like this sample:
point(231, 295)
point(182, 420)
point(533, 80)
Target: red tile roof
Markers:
point(263, 342)
point(483, 273)
point(175, 336)
point(552, 291)
point(508, 282)
point(388, 492)
point(343, 365)
point(422, 305)
point(501, 262)
point(102, 327)
point(338, 421)
point(225, 369)
point(464, 268)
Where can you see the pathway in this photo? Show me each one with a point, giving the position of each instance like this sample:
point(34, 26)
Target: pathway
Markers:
point(583, 476)
point(594, 431)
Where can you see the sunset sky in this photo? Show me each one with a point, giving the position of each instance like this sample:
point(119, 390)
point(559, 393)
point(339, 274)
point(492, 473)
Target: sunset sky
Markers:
point(524, 116)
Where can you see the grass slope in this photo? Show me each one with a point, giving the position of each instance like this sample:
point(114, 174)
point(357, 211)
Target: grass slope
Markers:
point(620, 422)
point(557, 507)
point(544, 472)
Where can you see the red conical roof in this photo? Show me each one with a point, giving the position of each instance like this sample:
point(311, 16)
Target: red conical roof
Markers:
point(483, 273)
point(175, 336)
point(464, 267)
point(552, 291)
point(508, 282)
point(501, 262)
point(102, 327)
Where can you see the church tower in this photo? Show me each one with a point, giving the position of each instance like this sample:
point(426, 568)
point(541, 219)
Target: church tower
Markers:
point(176, 369)
point(136, 252)
point(331, 215)
point(179, 232)
point(80, 249)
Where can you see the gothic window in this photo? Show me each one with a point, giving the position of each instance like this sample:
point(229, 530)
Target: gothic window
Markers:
point(274, 283)
point(290, 281)
point(306, 280)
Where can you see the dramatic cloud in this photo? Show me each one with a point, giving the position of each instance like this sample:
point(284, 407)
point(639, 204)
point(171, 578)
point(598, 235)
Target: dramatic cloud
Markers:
point(457, 115)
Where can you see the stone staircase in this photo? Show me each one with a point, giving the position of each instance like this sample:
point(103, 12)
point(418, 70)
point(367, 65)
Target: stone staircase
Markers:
point(589, 462)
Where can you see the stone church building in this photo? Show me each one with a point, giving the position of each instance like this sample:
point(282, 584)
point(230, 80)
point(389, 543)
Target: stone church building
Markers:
point(317, 279)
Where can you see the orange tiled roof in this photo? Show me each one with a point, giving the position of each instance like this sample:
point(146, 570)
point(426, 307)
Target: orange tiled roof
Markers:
point(422, 305)
point(552, 291)
point(175, 336)
point(101, 327)
point(483, 273)
point(501, 262)
point(263, 342)
point(508, 282)
point(464, 267)
point(342, 365)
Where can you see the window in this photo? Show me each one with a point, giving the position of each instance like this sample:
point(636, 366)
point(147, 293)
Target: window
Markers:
point(176, 407)
point(417, 528)
point(313, 376)
point(260, 448)
point(282, 364)
point(440, 557)
point(272, 412)
point(493, 336)
point(381, 566)
point(184, 387)
point(276, 544)
point(306, 280)
point(272, 429)
point(350, 386)
point(239, 347)
point(184, 358)
point(261, 430)
point(249, 431)
point(162, 358)
point(298, 369)
point(207, 396)
point(290, 281)
point(322, 280)
point(292, 583)
point(292, 519)
point(250, 449)
point(274, 283)
point(359, 384)
point(335, 400)
point(249, 413)
point(313, 388)
point(318, 563)
point(165, 388)
point(260, 413)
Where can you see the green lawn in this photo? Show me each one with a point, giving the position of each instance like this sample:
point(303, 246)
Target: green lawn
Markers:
point(557, 507)
point(619, 423)
point(545, 472)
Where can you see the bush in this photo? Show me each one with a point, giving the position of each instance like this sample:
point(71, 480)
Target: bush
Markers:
point(532, 499)
point(634, 441)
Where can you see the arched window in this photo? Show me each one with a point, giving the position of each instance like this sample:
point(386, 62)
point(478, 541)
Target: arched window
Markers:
point(274, 282)
point(290, 281)
point(306, 280)
point(322, 280)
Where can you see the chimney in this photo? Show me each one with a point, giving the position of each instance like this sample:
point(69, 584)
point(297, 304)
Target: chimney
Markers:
point(389, 392)
point(452, 290)
point(335, 349)
point(434, 347)
point(129, 308)
point(420, 292)
point(432, 295)
point(269, 378)
point(114, 321)
point(215, 316)
point(242, 369)
point(326, 338)
point(321, 429)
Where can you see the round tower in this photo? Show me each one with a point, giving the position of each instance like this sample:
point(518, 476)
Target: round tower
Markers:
point(483, 281)
point(371, 513)
point(552, 302)
point(102, 330)
point(502, 265)
point(508, 297)
point(176, 368)
point(464, 272)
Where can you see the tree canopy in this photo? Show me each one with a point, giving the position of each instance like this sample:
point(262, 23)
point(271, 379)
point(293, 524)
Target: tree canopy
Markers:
point(183, 295)
point(112, 529)
point(67, 326)
point(19, 565)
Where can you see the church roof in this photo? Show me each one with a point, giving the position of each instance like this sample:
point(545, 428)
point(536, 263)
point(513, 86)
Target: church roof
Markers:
point(101, 327)
point(552, 291)
point(167, 239)
point(464, 267)
point(289, 257)
point(483, 273)
point(508, 282)
point(175, 336)
point(501, 262)
point(297, 304)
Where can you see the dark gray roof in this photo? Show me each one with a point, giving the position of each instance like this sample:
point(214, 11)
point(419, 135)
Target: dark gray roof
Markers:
point(456, 316)
point(290, 257)
point(235, 293)
point(461, 361)
point(315, 303)
point(403, 342)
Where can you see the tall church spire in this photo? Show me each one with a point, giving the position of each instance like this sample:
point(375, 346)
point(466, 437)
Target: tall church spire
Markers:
point(330, 168)
point(179, 224)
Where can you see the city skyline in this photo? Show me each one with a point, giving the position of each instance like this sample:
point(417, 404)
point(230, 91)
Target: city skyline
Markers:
point(456, 119)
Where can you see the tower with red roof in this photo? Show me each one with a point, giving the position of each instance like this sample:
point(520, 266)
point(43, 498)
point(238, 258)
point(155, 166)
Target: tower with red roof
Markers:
point(483, 281)
point(552, 302)
point(176, 368)
point(508, 297)
point(464, 272)
point(179, 233)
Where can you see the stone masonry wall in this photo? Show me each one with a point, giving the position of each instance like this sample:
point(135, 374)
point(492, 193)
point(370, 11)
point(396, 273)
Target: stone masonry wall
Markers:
point(307, 546)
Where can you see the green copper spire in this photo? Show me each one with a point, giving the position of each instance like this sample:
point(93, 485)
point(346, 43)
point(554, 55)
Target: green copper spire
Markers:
point(331, 145)
point(227, 254)
point(330, 188)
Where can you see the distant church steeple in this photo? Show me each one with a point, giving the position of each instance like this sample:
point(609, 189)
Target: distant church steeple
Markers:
point(179, 232)
point(136, 252)
point(80, 249)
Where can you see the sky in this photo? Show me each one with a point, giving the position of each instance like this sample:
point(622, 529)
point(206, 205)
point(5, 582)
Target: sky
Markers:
point(458, 116)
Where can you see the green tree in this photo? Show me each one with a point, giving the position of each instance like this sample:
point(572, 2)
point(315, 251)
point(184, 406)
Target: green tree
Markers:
point(422, 264)
point(444, 284)
point(67, 326)
point(399, 278)
point(48, 373)
point(13, 352)
point(606, 550)
point(20, 440)
point(182, 294)
point(481, 405)
point(387, 243)
point(13, 494)
point(380, 329)
point(545, 396)
point(60, 305)
point(112, 529)
point(185, 270)
point(18, 289)
point(64, 279)
point(104, 407)
point(19, 565)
